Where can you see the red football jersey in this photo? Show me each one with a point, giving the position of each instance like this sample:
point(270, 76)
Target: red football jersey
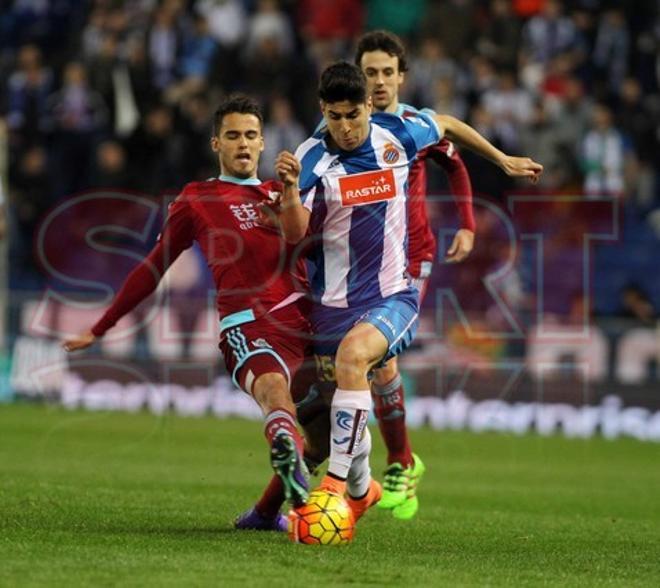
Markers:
point(421, 241)
point(253, 267)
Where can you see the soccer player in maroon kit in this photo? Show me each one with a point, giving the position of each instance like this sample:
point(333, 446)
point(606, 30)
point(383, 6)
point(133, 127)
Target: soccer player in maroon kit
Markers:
point(382, 58)
point(260, 290)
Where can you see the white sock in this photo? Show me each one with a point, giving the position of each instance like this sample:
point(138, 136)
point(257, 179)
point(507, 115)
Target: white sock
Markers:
point(348, 419)
point(359, 476)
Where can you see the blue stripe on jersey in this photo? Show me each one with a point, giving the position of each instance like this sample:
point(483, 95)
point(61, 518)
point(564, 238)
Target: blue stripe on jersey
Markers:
point(307, 176)
point(415, 133)
point(315, 256)
point(362, 279)
point(396, 125)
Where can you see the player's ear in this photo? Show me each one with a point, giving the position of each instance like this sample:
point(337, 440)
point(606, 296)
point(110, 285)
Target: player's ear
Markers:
point(322, 106)
point(261, 143)
point(369, 105)
point(215, 144)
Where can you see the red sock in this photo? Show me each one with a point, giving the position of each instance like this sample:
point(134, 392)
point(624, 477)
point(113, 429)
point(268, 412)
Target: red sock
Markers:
point(391, 414)
point(272, 499)
point(282, 421)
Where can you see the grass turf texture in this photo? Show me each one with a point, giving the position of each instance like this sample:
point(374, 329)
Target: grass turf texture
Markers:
point(117, 499)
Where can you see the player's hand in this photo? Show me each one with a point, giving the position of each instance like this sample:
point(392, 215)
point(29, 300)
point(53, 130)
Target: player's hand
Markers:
point(82, 341)
point(522, 167)
point(287, 168)
point(461, 246)
point(268, 213)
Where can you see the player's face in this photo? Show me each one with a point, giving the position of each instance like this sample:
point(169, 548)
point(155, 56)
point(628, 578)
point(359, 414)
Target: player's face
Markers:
point(239, 144)
point(383, 79)
point(348, 123)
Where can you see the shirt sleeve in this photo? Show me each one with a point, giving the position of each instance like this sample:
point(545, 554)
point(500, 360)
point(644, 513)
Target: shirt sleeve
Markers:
point(423, 130)
point(448, 158)
point(177, 235)
point(308, 155)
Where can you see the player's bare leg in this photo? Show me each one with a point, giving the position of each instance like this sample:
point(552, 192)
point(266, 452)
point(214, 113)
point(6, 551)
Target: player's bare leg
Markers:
point(286, 444)
point(360, 349)
point(404, 468)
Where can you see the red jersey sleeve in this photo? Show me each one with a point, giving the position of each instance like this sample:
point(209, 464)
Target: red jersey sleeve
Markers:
point(177, 235)
point(447, 156)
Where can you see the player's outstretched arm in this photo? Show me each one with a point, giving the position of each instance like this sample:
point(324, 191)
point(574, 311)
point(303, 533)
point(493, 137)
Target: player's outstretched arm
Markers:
point(519, 167)
point(145, 277)
point(294, 217)
point(82, 341)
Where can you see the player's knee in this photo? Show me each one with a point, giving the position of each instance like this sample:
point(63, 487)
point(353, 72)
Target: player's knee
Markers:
point(271, 391)
point(353, 358)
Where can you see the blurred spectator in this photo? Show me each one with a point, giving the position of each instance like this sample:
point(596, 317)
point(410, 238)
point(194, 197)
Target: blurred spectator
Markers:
point(282, 131)
point(77, 116)
point(163, 45)
point(603, 155)
point(227, 20)
point(198, 161)
point(510, 106)
point(452, 21)
point(543, 37)
point(426, 68)
point(155, 152)
point(269, 22)
point(30, 187)
point(447, 101)
point(543, 140)
point(29, 87)
point(481, 78)
point(501, 35)
point(635, 118)
point(612, 49)
point(329, 28)
point(194, 63)
point(574, 112)
point(402, 18)
point(111, 170)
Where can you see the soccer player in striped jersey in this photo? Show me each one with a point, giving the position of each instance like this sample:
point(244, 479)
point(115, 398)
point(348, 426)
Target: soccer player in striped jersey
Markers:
point(260, 290)
point(348, 186)
point(382, 58)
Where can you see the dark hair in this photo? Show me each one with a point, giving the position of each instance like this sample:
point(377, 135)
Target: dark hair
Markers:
point(240, 103)
point(343, 81)
point(382, 41)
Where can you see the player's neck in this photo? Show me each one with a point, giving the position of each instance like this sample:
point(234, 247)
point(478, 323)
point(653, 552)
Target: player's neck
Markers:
point(251, 181)
point(392, 107)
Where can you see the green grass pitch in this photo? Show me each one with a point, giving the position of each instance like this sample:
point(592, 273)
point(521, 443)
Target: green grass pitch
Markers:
point(109, 499)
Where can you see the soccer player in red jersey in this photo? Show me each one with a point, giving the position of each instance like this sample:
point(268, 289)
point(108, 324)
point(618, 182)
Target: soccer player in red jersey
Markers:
point(382, 58)
point(260, 290)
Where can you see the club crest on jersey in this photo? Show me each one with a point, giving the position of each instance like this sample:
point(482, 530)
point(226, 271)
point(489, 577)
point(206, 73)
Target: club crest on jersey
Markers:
point(367, 187)
point(245, 214)
point(261, 343)
point(390, 153)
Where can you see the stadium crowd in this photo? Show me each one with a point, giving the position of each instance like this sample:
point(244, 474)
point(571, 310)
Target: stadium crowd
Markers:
point(119, 95)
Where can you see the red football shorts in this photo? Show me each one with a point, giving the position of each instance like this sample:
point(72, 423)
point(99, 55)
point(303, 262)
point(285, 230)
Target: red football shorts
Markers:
point(274, 343)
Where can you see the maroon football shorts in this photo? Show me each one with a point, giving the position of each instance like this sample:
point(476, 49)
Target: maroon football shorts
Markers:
point(274, 343)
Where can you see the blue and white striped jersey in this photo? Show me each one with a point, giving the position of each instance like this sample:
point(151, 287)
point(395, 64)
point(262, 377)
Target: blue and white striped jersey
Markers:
point(358, 204)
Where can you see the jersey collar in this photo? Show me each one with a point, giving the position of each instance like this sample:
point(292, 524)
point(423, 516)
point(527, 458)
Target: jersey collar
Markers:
point(240, 181)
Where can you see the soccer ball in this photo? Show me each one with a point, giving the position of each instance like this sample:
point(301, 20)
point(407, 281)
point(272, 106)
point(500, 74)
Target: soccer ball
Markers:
point(326, 519)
